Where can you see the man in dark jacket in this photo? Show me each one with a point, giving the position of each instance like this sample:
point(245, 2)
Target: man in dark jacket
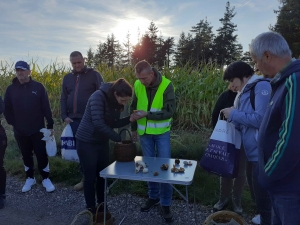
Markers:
point(26, 106)
point(278, 138)
point(77, 87)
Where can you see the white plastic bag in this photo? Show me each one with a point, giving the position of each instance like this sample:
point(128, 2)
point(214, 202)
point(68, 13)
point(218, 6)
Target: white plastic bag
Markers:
point(51, 148)
point(68, 145)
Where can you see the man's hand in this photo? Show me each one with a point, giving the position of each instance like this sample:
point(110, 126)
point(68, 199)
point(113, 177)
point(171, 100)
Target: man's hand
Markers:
point(134, 136)
point(52, 132)
point(227, 112)
point(68, 120)
point(138, 114)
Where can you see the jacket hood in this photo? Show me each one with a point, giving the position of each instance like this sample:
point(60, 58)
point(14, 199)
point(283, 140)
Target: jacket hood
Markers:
point(290, 69)
point(84, 70)
point(253, 81)
point(105, 87)
point(158, 79)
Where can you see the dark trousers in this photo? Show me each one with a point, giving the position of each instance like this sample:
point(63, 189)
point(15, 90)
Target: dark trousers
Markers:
point(259, 195)
point(286, 209)
point(28, 145)
point(3, 145)
point(94, 157)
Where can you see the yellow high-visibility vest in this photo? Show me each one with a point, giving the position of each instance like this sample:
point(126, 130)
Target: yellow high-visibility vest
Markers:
point(151, 126)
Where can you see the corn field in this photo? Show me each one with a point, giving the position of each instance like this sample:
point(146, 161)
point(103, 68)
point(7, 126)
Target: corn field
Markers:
point(196, 89)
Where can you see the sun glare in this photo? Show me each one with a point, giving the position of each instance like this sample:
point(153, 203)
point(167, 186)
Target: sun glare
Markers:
point(133, 26)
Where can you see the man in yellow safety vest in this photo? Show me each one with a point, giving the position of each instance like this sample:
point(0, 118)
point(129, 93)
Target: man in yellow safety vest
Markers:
point(154, 105)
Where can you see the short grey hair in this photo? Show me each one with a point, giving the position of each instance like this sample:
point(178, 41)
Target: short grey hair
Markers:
point(272, 42)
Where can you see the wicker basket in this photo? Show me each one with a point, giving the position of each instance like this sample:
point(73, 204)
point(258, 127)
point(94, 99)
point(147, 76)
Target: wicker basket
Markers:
point(125, 151)
point(224, 217)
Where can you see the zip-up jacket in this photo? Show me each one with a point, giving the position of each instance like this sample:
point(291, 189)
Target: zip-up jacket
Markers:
point(77, 87)
point(246, 119)
point(279, 135)
point(102, 114)
point(169, 105)
point(26, 106)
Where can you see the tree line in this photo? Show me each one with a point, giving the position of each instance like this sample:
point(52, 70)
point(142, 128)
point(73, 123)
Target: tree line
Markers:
point(195, 47)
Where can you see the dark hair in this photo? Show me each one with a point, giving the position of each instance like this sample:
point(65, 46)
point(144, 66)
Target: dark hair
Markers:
point(238, 69)
point(121, 87)
point(142, 65)
point(75, 54)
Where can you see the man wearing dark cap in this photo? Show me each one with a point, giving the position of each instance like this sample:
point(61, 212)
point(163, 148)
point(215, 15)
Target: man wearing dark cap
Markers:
point(26, 107)
point(77, 87)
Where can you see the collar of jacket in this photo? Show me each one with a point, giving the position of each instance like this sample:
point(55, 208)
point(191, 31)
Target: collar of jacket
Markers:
point(16, 81)
point(158, 79)
point(286, 70)
point(84, 70)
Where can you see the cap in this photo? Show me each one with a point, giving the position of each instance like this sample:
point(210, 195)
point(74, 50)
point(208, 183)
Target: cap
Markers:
point(22, 65)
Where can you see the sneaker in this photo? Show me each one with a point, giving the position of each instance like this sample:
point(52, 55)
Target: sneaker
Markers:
point(237, 205)
point(48, 185)
point(149, 204)
point(79, 186)
point(166, 213)
point(2, 201)
point(256, 219)
point(220, 204)
point(28, 184)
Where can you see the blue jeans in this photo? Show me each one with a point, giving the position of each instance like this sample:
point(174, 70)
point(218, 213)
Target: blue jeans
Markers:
point(158, 146)
point(286, 209)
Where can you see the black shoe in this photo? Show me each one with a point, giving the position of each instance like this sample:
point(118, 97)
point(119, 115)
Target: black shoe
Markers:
point(149, 204)
point(101, 208)
point(166, 213)
point(2, 201)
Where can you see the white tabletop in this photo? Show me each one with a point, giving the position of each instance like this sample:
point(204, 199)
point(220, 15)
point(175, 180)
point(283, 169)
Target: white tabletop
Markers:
point(126, 170)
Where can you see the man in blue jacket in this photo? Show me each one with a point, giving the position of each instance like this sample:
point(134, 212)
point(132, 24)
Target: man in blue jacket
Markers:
point(77, 87)
point(26, 107)
point(278, 138)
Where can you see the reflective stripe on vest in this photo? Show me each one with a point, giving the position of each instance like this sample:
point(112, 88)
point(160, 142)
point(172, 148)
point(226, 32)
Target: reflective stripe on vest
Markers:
point(151, 126)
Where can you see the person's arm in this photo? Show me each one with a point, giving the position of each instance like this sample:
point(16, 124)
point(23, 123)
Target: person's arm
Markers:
point(46, 108)
point(262, 98)
point(63, 101)
point(133, 107)
point(97, 107)
point(8, 109)
point(121, 122)
point(168, 108)
point(1, 105)
point(286, 154)
point(220, 104)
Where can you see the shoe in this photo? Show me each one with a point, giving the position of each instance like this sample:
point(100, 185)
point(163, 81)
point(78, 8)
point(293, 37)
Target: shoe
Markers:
point(79, 186)
point(48, 185)
point(220, 204)
point(149, 204)
point(2, 201)
point(28, 184)
point(237, 205)
point(166, 213)
point(256, 219)
point(101, 208)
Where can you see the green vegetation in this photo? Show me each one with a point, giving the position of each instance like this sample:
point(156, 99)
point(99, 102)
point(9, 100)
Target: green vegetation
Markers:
point(196, 92)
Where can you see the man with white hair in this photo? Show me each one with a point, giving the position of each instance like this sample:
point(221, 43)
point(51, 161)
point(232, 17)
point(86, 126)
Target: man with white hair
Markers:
point(279, 156)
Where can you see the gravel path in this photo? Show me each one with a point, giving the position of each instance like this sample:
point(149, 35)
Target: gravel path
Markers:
point(37, 207)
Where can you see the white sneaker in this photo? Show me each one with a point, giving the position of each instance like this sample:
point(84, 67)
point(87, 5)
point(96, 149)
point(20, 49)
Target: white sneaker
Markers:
point(48, 185)
point(256, 219)
point(28, 184)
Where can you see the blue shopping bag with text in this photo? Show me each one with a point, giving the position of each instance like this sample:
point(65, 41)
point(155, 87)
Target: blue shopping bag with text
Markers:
point(221, 156)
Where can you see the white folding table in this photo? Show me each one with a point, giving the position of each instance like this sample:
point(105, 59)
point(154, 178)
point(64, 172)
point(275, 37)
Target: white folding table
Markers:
point(126, 171)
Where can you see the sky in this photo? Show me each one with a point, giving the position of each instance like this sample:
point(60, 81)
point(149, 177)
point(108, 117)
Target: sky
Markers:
point(49, 30)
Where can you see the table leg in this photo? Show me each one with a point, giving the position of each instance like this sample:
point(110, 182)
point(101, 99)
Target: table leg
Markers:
point(105, 193)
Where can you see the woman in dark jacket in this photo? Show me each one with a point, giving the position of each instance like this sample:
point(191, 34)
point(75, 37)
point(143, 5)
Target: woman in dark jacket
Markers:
point(101, 115)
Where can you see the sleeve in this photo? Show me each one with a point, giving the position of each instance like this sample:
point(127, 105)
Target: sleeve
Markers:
point(121, 122)
point(254, 119)
point(99, 80)
point(133, 107)
point(220, 104)
point(63, 101)
point(97, 107)
point(8, 109)
point(1, 105)
point(169, 106)
point(286, 154)
point(47, 109)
